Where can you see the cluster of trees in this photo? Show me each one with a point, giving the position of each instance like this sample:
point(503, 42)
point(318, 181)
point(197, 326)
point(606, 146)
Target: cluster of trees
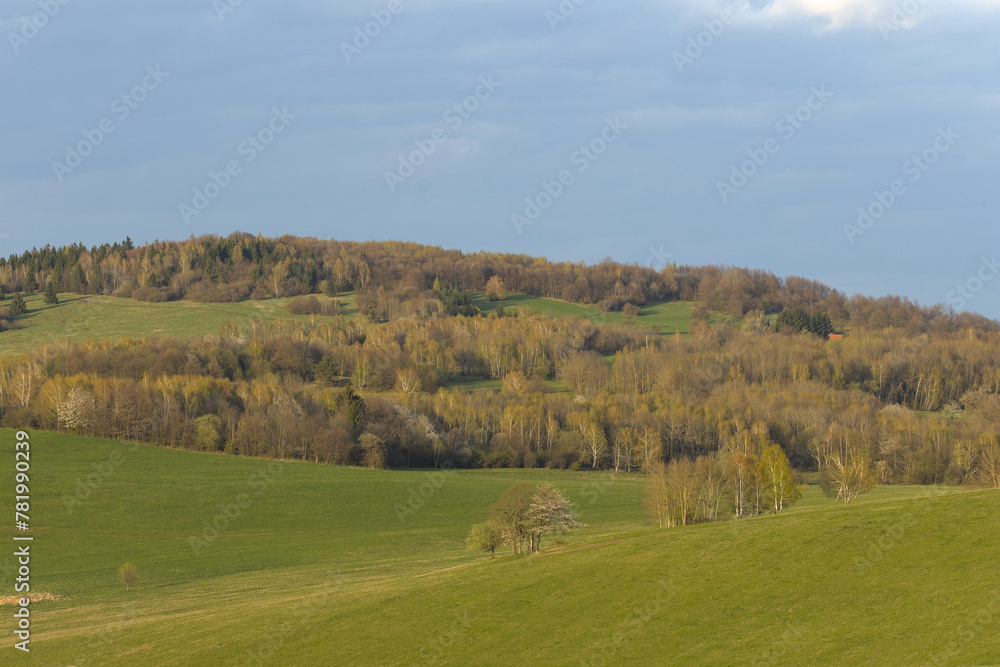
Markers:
point(524, 513)
point(394, 279)
point(876, 405)
point(749, 476)
point(798, 320)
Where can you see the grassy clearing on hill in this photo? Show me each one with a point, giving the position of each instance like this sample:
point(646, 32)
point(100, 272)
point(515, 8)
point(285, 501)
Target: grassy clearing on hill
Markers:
point(81, 318)
point(474, 385)
point(318, 568)
point(671, 316)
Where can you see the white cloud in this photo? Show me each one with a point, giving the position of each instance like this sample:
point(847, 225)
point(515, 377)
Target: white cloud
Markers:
point(838, 14)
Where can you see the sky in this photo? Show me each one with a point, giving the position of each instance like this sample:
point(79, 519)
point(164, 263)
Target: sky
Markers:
point(856, 142)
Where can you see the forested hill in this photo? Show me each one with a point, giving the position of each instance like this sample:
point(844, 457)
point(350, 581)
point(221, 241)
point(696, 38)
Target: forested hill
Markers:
point(413, 369)
point(393, 278)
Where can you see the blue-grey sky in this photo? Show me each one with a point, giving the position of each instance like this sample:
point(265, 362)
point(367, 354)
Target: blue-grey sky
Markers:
point(747, 133)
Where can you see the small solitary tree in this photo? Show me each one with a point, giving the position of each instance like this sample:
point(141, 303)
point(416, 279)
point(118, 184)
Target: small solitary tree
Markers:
point(485, 537)
point(128, 574)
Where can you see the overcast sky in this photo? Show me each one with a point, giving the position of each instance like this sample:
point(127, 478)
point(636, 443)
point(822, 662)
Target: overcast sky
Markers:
point(648, 130)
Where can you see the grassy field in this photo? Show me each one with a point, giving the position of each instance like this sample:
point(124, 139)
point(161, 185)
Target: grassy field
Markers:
point(81, 318)
point(326, 565)
point(670, 317)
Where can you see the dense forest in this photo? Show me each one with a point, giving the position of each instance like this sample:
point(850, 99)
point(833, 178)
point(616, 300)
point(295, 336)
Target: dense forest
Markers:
point(910, 395)
point(918, 408)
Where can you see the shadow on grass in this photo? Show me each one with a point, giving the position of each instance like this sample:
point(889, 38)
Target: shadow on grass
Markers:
point(36, 306)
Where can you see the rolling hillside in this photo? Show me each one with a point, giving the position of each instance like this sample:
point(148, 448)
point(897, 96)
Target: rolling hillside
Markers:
point(327, 561)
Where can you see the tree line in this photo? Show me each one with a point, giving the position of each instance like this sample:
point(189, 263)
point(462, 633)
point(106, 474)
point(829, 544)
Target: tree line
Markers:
point(393, 279)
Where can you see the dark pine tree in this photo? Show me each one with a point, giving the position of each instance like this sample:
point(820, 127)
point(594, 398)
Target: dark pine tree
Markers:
point(77, 280)
point(17, 305)
point(51, 294)
point(96, 280)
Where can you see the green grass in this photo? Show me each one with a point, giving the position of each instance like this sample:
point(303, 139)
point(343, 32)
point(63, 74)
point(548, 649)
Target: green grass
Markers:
point(961, 416)
point(475, 385)
point(670, 316)
point(319, 569)
point(81, 318)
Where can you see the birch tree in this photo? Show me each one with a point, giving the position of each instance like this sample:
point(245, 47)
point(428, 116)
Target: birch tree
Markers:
point(780, 487)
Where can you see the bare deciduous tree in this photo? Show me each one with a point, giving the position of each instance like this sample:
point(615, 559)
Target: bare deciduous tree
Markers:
point(850, 475)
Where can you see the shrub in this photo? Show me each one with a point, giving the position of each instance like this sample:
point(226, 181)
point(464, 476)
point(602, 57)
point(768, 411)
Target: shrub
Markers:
point(610, 339)
point(375, 454)
point(531, 461)
point(311, 305)
point(631, 310)
point(205, 291)
point(20, 418)
point(150, 294)
point(611, 304)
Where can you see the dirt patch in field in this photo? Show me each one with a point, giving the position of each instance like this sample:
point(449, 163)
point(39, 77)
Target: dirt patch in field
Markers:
point(35, 597)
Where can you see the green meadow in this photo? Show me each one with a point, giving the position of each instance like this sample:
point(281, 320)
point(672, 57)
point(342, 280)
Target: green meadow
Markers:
point(310, 564)
point(670, 317)
point(80, 318)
